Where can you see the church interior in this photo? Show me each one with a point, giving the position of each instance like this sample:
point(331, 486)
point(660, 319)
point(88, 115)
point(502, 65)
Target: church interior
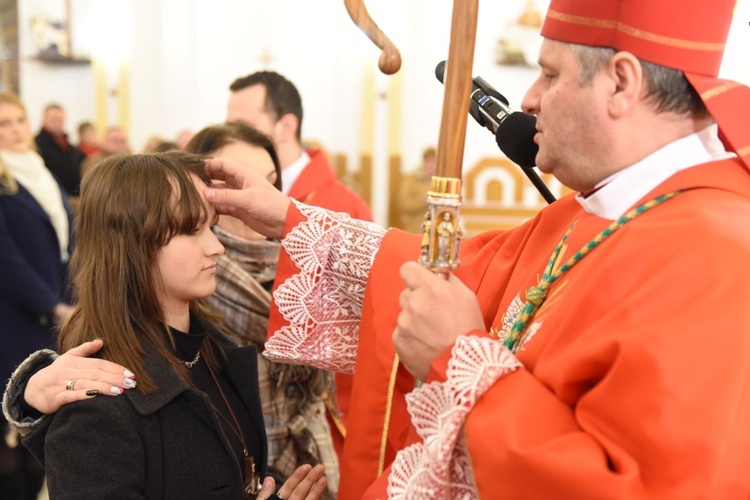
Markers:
point(143, 76)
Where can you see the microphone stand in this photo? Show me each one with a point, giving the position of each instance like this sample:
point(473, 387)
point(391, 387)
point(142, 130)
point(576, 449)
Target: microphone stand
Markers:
point(539, 185)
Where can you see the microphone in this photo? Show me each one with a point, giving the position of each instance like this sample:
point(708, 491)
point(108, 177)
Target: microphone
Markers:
point(515, 138)
point(514, 131)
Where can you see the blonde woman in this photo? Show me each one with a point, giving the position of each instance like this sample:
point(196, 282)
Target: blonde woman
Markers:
point(36, 240)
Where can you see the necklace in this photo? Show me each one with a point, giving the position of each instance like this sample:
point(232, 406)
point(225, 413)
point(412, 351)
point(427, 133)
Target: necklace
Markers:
point(192, 363)
point(252, 482)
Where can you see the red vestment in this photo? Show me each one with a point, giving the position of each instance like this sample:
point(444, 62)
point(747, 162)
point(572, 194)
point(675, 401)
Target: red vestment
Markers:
point(635, 380)
point(317, 185)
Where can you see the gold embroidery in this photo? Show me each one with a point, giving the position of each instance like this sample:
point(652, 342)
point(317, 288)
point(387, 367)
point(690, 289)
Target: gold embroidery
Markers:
point(637, 33)
point(510, 316)
point(744, 151)
point(719, 90)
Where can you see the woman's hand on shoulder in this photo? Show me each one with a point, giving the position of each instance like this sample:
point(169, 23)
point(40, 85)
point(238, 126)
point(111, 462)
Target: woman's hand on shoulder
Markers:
point(307, 483)
point(74, 376)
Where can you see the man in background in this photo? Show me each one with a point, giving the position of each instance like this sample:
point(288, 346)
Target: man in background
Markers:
point(87, 140)
point(272, 104)
point(412, 192)
point(115, 141)
point(61, 157)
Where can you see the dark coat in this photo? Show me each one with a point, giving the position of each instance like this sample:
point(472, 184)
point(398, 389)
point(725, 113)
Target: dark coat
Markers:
point(64, 164)
point(33, 278)
point(168, 444)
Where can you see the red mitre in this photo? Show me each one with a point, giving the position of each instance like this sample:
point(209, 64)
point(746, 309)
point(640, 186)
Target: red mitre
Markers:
point(687, 35)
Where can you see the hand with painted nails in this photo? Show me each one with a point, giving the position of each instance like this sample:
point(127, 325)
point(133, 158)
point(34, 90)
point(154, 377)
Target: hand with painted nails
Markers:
point(75, 376)
point(248, 196)
point(307, 483)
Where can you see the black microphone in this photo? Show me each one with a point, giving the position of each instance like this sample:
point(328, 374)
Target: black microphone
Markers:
point(514, 131)
point(515, 138)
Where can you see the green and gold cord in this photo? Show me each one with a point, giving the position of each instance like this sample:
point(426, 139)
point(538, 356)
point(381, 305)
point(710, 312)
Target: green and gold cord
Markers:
point(536, 295)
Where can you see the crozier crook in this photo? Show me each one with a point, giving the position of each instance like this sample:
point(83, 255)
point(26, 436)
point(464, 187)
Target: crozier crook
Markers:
point(442, 228)
point(390, 60)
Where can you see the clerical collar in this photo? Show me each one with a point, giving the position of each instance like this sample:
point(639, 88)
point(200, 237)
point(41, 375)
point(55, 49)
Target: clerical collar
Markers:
point(613, 196)
point(290, 174)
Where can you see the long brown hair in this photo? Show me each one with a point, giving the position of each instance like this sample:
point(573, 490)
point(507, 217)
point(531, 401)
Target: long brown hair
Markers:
point(299, 382)
point(8, 184)
point(130, 207)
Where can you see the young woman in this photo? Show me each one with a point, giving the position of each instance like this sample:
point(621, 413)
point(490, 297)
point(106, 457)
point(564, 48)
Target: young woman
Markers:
point(193, 427)
point(291, 395)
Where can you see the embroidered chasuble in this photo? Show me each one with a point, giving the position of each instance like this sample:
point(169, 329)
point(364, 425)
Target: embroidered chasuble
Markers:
point(622, 388)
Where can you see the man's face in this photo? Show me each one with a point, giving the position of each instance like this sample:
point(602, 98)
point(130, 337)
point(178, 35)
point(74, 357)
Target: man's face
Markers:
point(571, 119)
point(54, 121)
point(116, 141)
point(248, 106)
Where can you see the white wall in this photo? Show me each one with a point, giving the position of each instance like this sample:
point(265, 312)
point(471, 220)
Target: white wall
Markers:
point(186, 53)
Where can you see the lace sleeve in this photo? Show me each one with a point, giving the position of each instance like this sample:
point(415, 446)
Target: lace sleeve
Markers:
point(322, 304)
point(440, 464)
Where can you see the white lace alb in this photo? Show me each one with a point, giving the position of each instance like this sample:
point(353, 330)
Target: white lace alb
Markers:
point(323, 302)
point(439, 467)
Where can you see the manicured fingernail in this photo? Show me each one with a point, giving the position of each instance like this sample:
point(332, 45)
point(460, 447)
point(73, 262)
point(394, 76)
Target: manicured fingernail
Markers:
point(130, 384)
point(116, 390)
point(92, 392)
point(129, 374)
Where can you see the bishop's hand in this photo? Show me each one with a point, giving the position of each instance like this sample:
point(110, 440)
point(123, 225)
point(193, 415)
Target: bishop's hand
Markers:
point(434, 312)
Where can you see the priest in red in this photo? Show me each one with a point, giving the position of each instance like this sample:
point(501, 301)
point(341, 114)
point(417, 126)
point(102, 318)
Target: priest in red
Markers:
point(601, 350)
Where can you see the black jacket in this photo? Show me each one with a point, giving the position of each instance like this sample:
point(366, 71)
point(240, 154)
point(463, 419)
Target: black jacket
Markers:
point(64, 165)
point(168, 444)
point(33, 278)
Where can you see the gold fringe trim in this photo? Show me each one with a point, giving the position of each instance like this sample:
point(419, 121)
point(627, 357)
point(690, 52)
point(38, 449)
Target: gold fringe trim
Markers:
point(637, 33)
point(387, 422)
point(334, 414)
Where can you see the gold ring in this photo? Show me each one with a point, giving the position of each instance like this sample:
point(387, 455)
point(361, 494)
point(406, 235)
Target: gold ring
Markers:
point(70, 386)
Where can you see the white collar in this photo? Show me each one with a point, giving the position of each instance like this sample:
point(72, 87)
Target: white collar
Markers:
point(621, 190)
point(290, 174)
